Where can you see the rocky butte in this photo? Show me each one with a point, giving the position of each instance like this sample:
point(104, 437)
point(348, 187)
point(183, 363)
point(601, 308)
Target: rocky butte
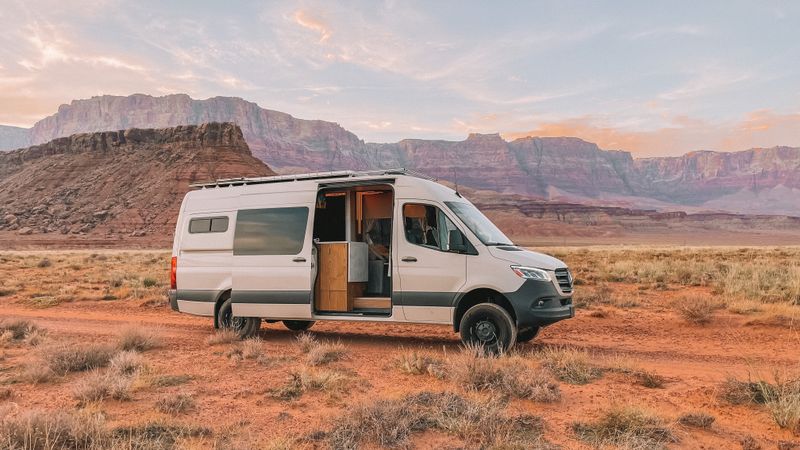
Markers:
point(116, 185)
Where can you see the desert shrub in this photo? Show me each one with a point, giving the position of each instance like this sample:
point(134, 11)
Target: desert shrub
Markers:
point(46, 430)
point(481, 423)
point(780, 397)
point(149, 282)
point(627, 427)
point(569, 364)
point(169, 380)
point(65, 358)
point(649, 379)
point(305, 380)
point(175, 403)
point(223, 336)
point(127, 362)
point(97, 386)
point(324, 353)
point(696, 419)
point(155, 435)
point(18, 329)
point(601, 295)
point(697, 309)
point(416, 363)
point(6, 393)
point(252, 348)
point(504, 376)
point(306, 341)
point(44, 262)
point(5, 292)
point(35, 372)
point(137, 339)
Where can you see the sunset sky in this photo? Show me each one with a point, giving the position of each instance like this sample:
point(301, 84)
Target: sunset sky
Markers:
point(655, 78)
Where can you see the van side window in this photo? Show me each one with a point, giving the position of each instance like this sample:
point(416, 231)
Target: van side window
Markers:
point(208, 225)
point(428, 226)
point(273, 231)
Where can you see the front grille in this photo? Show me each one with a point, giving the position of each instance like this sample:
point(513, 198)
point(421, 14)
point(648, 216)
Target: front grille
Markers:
point(564, 279)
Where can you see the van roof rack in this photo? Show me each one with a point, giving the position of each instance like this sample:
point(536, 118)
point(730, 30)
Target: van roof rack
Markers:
point(225, 182)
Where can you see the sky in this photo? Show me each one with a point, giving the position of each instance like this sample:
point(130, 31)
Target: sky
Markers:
point(654, 78)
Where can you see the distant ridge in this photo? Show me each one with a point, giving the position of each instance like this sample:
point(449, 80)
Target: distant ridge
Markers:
point(756, 181)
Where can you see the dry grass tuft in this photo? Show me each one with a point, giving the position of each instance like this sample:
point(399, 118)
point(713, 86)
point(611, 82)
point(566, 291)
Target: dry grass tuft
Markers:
point(127, 362)
point(416, 363)
point(697, 309)
point(18, 330)
point(626, 427)
point(46, 430)
point(159, 435)
point(780, 397)
point(305, 380)
point(306, 341)
point(66, 358)
point(97, 386)
point(6, 393)
point(169, 380)
point(570, 365)
point(696, 419)
point(324, 353)
point(176, 403)
point(253, 348)
point(225, 336)
point(505, 376)
point(481, 423)
point(138, 339)
point(44, 262)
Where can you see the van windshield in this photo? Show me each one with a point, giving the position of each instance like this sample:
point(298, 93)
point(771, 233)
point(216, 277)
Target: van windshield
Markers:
point(486, 231)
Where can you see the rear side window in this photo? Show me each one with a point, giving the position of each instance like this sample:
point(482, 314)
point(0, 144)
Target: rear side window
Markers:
point(273, 231)
point(208, 225)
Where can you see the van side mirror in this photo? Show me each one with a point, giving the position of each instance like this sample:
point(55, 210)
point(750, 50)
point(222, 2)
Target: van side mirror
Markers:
point(456, 242)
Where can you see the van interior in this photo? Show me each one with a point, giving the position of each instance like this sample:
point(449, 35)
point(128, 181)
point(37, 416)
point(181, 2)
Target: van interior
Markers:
point(353, 241)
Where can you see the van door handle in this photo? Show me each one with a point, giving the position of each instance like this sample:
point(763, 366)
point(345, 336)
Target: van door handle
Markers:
point(409, 259)
point(299, 259)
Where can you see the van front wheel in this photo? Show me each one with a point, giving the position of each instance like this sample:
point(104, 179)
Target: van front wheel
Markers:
point(298, 325)
point(244, 326)
point(489, 326)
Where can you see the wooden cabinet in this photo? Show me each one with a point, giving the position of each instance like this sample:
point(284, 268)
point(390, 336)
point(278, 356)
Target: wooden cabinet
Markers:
point(339, 276)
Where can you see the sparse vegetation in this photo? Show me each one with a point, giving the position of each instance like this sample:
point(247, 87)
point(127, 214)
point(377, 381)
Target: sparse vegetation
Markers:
point(224, 336)
point(626, 427)
point(169, 380)
point(14, 331)
point(179, 403)
point(481, 423)
point(781, 398)
point(65, 358)
point(570, 365)
point(416, 363)
point(135, 338)
point(45, 262)
point(505, 376)
point(97, 386)
point(319, 352)
point(311, 380)
point(126, 363)
point(44, 430)
point(149, 282)
point(696, 419)
point(697, 309)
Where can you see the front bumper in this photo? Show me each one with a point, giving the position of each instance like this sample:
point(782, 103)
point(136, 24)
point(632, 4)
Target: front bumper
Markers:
point(173, 299)
point(539, 303)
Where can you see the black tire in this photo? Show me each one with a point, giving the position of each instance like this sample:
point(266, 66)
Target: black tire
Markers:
point(245, 326)
point(489, 326)
point(298, 325)
point(527, 334)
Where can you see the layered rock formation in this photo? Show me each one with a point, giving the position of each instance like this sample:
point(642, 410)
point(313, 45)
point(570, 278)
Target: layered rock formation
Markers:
point(765, 181)
point(117, 184)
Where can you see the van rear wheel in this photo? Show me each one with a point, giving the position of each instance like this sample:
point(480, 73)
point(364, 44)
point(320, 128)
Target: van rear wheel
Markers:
point(489, 326)
point(245, 326)
point(298, 325)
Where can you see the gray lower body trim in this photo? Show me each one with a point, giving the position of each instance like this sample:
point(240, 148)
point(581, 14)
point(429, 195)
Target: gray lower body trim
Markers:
point(197, 295)
point(445, 299)
point(272, 297)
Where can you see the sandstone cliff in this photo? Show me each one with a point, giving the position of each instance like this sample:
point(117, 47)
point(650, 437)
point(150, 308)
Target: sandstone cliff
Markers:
point(116, 184)
point(764, 181)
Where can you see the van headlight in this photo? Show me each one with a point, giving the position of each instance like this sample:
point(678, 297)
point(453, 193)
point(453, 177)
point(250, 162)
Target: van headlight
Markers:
point(531, 273)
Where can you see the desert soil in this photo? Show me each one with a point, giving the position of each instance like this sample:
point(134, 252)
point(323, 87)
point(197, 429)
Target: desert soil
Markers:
point(232, 397)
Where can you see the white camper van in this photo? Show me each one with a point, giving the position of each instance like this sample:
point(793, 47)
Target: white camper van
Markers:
point(381, 246)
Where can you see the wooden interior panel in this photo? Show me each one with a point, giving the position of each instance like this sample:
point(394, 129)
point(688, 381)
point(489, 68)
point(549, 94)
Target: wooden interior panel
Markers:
point(372, 303)
point(332, 292)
